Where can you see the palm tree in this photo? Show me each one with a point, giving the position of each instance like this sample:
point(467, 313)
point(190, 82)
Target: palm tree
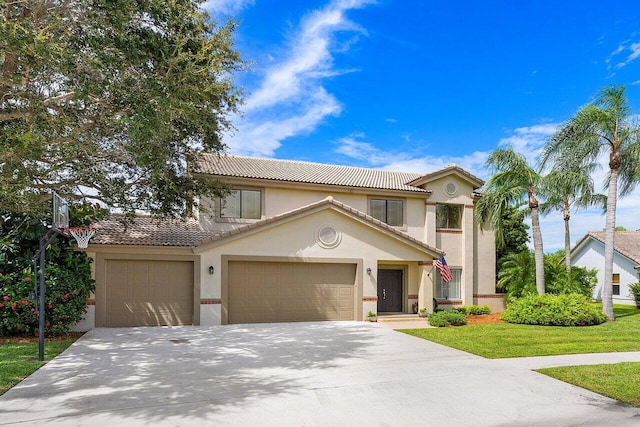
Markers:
point(568, 188)
point(514, 183)
point(516, 275)
point(603, 127)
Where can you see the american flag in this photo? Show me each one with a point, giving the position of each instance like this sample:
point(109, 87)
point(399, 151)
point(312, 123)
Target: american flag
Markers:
point(443, 268)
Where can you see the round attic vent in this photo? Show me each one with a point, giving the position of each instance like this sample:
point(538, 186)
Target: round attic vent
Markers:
point(451, 189)
point(327, 237)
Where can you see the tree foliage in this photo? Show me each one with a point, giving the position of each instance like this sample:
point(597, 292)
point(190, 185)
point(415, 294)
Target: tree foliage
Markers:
point(513, 183)
point(570, 188)
point(602, 128)
point(517, 276)
point(67, 276)
point(514, 234)
point(111, 99)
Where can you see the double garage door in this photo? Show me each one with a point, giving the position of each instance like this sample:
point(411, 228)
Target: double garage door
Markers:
point(148, 293)
point(157, 293)
point(290, 291)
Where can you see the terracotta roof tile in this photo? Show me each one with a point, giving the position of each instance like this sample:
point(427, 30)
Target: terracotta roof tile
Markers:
point(305, 172)
point(147, 231)
point(478, 182)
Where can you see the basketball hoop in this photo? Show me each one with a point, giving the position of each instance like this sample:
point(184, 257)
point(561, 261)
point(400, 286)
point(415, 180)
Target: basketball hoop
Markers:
point(81, 234)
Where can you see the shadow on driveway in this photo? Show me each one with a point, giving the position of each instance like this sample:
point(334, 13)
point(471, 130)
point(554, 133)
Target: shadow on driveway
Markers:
point(292, 374)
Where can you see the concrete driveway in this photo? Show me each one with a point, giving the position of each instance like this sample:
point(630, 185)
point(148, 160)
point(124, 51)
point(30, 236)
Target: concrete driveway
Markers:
point(300, 374)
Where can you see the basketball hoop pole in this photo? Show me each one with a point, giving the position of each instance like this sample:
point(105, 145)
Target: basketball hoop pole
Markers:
point(44, 242)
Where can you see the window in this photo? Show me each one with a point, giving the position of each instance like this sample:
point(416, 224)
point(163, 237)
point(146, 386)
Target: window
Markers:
point(450, 290)
point(387, 211)
point(616, 283)
point(448, 216)
point(244, 204)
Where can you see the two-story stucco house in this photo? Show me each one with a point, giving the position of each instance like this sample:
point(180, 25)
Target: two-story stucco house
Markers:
point(298, 241)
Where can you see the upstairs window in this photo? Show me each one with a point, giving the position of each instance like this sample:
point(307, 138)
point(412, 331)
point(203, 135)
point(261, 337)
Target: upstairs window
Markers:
point(449, 216)
point(242, 204)
point(387, 211)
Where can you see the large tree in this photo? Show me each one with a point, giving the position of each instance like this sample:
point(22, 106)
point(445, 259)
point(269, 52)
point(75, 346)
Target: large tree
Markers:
point(514, 234)
point(604, 127)
point(111, 99)
point(513, 183)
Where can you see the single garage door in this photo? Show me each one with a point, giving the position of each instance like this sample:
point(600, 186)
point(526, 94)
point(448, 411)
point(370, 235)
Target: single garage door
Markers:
point(149, 293)
point(290, 291)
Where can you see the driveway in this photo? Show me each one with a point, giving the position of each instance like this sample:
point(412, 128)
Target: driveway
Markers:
point(300, 374)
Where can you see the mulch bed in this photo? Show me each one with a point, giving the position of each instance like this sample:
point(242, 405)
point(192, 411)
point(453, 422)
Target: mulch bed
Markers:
point(27, 340)
point(484, 318)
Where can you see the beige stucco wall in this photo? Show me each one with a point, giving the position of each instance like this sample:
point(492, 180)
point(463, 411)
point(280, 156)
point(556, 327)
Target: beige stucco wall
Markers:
point(295, 240)
point(278, 200)
point(469, 249)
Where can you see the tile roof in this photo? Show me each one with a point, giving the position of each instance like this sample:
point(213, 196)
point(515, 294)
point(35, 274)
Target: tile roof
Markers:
point(147, 231)
point(445, 171)
point(626, 243)
point(305, 172)
point(354, 213)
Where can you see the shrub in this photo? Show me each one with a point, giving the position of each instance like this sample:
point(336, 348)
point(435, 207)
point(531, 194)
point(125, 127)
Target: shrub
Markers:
point(447, 318)
point(635, 292)
point(67, 279)
point(554, 310)
point(472, 309)
point(517, 276)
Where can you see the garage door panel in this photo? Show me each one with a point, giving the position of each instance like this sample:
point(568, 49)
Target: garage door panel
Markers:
point(286, 292)
point(149, 293)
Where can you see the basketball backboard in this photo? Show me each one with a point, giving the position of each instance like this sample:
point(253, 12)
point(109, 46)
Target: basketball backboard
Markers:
point(60, 219)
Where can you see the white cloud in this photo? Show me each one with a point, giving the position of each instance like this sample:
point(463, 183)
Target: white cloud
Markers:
point(263, 138)
point(367, 154)
point(291, 99)
point(529, 140)
point(636, 83)
point(526, 140)
point(628, 48)
point(226, 7)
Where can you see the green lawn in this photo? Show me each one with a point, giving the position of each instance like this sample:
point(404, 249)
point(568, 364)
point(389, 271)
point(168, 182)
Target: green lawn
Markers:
point(620, 381)
point(18, 361)
point(509, 340)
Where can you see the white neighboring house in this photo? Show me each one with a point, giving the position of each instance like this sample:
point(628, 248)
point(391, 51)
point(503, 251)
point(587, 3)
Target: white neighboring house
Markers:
point(589, 252)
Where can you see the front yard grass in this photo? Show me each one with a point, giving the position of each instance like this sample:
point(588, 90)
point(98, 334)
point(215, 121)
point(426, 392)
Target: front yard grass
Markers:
point(18, 360)
point(501, 340)
point(620, 381)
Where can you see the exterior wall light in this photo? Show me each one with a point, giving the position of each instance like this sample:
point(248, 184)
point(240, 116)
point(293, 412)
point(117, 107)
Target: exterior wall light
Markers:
point(211, 269)
point(369, 271)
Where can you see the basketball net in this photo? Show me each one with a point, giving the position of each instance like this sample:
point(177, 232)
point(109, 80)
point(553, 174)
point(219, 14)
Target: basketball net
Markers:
point(81, 234)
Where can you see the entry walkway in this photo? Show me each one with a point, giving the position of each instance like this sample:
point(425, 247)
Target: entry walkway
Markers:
point(298, 374)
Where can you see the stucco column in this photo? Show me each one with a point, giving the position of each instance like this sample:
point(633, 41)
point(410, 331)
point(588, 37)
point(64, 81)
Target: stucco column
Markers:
point(430, 224)
point(468, 259)
point(425, 290)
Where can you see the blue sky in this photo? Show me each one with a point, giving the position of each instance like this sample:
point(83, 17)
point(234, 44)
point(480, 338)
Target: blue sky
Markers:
point(418, 85)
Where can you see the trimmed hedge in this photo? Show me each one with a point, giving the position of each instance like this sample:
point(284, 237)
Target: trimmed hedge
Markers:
point(447, 318)
point(473, 310)
point(554, 310)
